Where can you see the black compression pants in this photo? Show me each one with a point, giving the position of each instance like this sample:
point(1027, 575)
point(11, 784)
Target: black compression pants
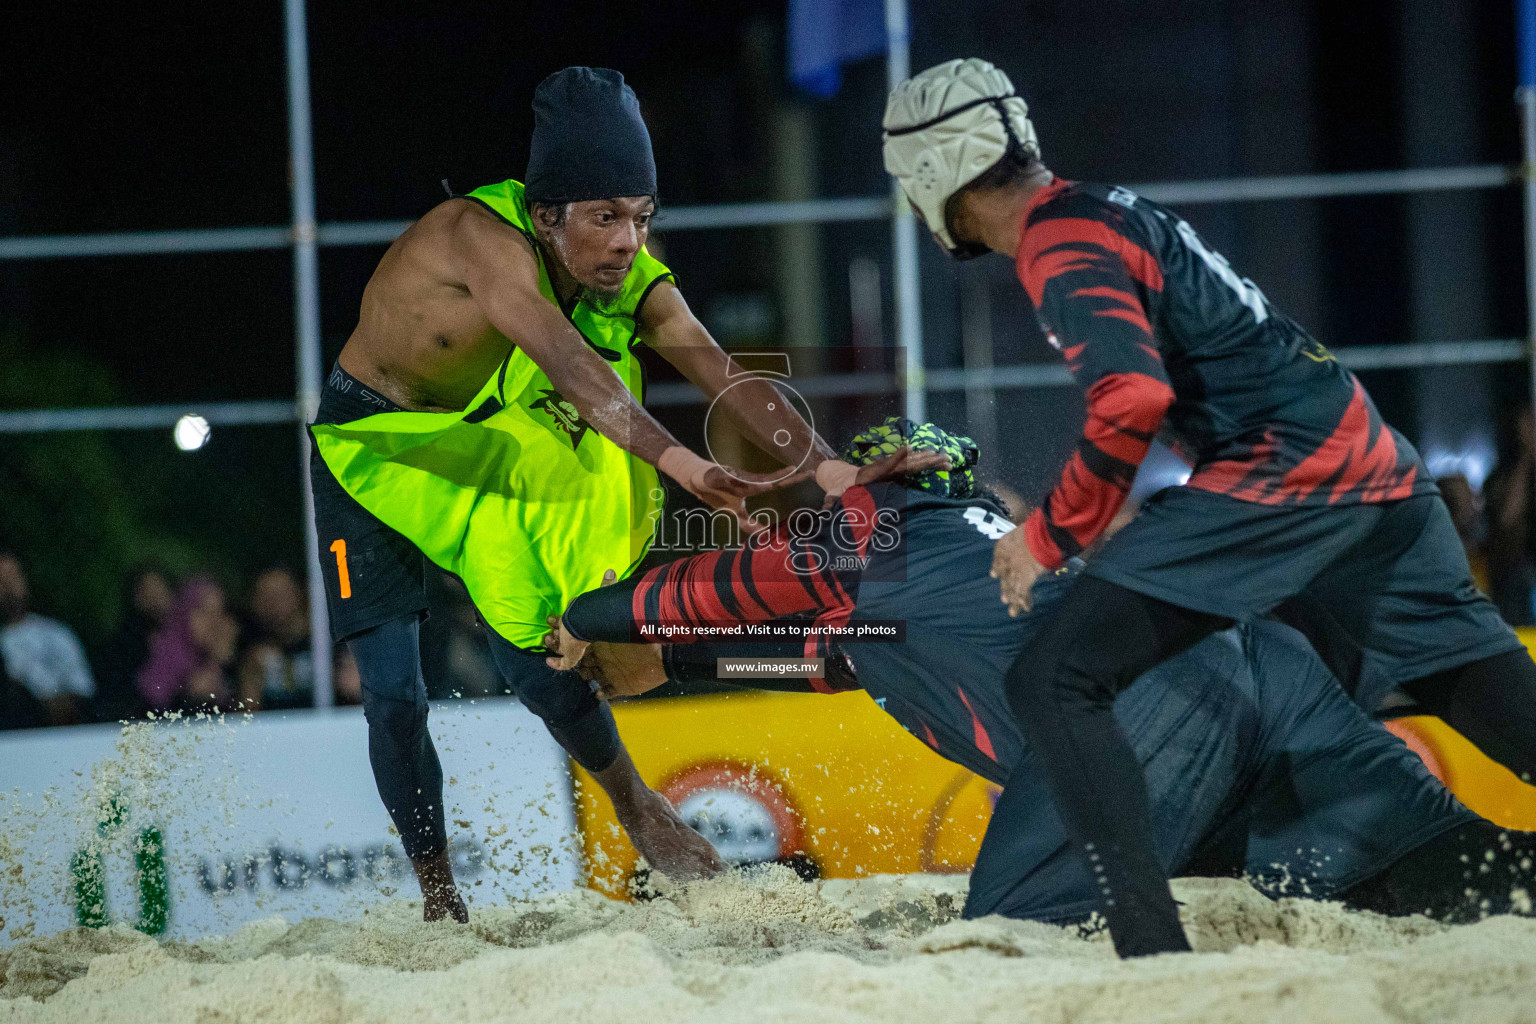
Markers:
point(1063, 688)
point(574, 716)
point(1491, 702)
point(1096, 644)
point(405, 763)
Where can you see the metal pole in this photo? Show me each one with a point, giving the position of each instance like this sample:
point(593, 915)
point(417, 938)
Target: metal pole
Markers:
point(1525, 15)
point(306, 308)
point(749, 215)
point(909, 324)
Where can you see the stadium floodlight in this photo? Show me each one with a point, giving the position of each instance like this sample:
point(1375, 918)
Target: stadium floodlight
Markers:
point(191, 432)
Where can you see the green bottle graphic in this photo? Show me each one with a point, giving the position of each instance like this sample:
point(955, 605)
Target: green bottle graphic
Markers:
point(88, 875)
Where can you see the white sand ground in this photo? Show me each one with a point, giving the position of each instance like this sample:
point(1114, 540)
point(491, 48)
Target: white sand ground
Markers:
point(771, 948)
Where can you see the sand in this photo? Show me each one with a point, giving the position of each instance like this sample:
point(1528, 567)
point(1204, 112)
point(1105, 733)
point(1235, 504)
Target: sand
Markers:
point(768, 947)
point(752, 946)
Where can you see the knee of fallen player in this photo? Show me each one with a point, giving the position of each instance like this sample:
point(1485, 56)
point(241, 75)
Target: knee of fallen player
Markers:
point(1465, 874)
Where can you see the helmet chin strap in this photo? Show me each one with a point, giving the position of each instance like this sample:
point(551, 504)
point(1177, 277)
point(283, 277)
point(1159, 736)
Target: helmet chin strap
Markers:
point(962, 249)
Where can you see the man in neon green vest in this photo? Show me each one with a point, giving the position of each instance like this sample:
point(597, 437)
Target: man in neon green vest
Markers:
point(485, 415)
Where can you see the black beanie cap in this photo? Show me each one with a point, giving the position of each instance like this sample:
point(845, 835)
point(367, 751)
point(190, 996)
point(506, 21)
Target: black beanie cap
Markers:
point(588, 140)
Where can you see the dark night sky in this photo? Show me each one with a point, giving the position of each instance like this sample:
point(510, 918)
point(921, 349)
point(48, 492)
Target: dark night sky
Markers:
point(137, 116)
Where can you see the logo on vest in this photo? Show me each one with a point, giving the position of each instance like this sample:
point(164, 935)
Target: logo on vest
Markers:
point(564, 414)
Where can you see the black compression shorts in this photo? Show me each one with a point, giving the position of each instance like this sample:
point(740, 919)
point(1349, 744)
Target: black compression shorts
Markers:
point(372, 573)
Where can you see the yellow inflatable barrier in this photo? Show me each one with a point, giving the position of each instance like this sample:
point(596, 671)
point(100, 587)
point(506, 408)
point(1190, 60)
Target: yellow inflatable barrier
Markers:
point(829, 784)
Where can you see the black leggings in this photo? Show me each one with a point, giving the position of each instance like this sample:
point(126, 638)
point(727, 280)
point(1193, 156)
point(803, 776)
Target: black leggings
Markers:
point(1062, 688)
point(575, 717)
point(1491, 702)
point(1463, 875)
point(405, 764)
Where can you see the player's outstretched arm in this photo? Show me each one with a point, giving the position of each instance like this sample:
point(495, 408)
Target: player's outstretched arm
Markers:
point(499, 267)
point(779, 574)
point(753, 403)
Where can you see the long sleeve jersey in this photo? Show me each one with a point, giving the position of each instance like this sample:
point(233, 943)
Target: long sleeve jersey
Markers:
point(809, 569)
point(1165, 337)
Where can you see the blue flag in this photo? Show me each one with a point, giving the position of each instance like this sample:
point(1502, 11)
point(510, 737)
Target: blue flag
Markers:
point(1525, 35)
point(826, 34)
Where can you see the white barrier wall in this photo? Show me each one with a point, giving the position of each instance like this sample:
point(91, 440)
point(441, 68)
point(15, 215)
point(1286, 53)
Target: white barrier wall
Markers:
point(267, 814)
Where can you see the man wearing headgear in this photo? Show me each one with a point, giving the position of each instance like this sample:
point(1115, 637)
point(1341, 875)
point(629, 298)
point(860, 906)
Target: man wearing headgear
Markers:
point(1257, 763)
point(1302, 502)
point(485, 416)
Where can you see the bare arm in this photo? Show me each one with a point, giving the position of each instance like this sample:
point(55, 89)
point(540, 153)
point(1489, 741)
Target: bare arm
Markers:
point(502, 273)
point(499, 267)
point(754, 404)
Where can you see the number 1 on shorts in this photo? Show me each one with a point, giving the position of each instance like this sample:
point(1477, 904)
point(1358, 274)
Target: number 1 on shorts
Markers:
point(340, 547)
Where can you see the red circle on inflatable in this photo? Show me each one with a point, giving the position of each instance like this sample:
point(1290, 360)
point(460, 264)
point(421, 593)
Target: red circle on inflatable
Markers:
point(740, 790)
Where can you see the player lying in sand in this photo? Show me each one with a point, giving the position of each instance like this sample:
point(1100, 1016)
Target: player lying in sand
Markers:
point(484, 415)
point(1257, 763)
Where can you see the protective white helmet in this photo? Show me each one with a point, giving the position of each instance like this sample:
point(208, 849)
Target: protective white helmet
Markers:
point(946, 127)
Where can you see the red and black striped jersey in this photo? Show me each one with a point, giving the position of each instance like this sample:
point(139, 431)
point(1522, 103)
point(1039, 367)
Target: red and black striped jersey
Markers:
point(1169, 341)
point(811, 565)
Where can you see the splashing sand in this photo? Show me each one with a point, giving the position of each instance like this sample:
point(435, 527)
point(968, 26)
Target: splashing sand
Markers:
point(767, 947)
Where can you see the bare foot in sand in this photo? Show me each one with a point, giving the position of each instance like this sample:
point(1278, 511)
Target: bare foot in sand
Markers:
point(440, 897)
point(669, 845)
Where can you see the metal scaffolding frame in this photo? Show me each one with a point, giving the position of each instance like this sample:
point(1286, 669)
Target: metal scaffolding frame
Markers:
point(305, 236)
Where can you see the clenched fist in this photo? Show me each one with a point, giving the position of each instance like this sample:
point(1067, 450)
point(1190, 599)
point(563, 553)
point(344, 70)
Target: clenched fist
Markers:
point(1015, 568)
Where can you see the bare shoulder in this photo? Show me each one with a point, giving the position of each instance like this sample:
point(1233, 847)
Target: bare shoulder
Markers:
point(475, 233)
point(455, 236)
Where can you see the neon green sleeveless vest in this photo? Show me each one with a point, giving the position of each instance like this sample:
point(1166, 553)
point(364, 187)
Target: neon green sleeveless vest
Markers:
point(516, 495)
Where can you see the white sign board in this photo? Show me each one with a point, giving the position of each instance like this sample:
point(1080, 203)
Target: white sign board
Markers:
point(248, 816)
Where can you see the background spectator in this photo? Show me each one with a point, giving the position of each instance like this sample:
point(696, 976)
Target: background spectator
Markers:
point(1510, 538)
point(1467, 513)
point(147, 600)
point(277, 670)
point(190, 655)
point(41, 654)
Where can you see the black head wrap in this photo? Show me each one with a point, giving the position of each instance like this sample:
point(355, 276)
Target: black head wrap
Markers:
point(588, 140)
